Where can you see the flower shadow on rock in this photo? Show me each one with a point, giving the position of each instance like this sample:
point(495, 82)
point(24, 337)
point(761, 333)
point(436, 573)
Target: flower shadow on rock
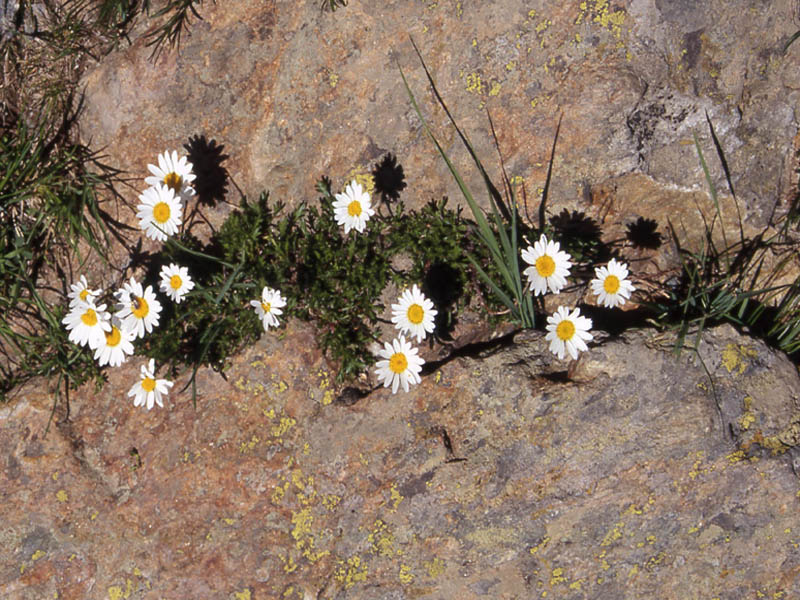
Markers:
point(211, 183)
point(389, 179)
point(580, 236)
point(444, 285)
point(643, 233)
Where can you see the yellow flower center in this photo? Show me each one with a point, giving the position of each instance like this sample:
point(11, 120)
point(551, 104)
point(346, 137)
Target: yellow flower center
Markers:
point(398, 362)
point(266, 306)
point(89, 317)
point(175, 282)
point(113, 337)
point(161, 212)
point(611, 284)
point(139, 308)
point(83, 295)
point(173, 181)
point(565, 330)
point(148, 384)
point(354, 208)
point(545, 266)
point(415, 314)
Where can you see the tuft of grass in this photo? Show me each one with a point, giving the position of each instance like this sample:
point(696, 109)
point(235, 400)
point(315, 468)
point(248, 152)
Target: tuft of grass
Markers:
point(49, 214)
point(332, 5)
point(502, 236)
point(176, 15)
point(736, 282)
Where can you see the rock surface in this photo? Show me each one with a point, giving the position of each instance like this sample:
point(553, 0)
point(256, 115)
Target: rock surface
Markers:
point(499, 476)
point(294, 93)
point(635, 474)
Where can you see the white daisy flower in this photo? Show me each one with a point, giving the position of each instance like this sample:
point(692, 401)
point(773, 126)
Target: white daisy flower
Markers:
point(81, 293)
point(159, 213)
point(414, 313)
point(175, 282)
point(269, 307)
point(352, 208)
point(611, 285)
point(550, 266)
point(568, 332)
point(87, 324)
point(174, 173)
point(117, 345)
point(402, 364)
point(138, 309)
point(149, 390)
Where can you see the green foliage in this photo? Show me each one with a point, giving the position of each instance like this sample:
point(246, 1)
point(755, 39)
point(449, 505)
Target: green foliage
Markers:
point(332, 279)
point(340, 279)
point(433, 235)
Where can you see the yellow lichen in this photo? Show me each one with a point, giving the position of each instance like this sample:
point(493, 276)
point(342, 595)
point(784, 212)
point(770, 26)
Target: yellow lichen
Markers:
point(289, 566)
point(246, 447)
point(405, 575)
point(736, 456)
point(613, 534)
point(654, 560)
point(381, 539)
point(115, 592)
point(284, 426)
point(540, 545)
point(633, 510)
point(38, 554)
point(279, 493)
point(495, 89)
point(351, 571)
point(301, 526)
point(474, 83)
point(557, 576)
point(61, 495)
point(746, 420)
point(330, 501)
point(735, 358)
point(396, 497)
point(435, 567)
